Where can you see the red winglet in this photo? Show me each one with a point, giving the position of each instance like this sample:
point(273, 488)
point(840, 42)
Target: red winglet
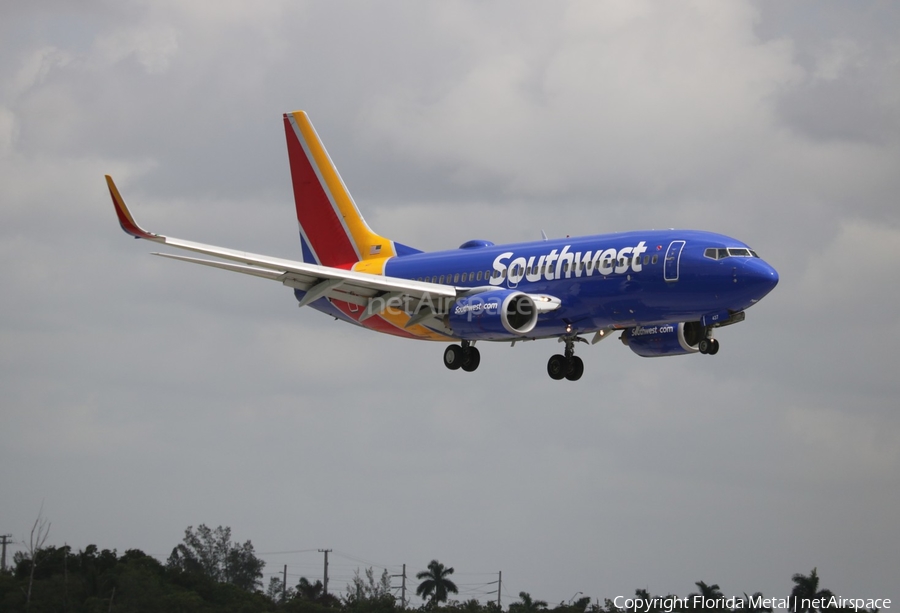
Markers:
point(125, 219)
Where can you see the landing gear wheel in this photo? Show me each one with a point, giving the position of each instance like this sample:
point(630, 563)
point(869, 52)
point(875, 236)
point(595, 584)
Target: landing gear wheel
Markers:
point(557, 367)
point(576, 368)
point(713, 347)
point(704, 345)
point(453, 357)
point(471, 359)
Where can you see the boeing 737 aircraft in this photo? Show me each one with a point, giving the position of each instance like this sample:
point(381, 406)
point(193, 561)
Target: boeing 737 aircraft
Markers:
point(666, 291)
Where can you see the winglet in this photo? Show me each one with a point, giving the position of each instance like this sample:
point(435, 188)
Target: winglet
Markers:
point(125, 219)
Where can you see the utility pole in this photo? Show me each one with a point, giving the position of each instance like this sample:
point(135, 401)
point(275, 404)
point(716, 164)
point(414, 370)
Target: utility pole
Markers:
point(325, 584)
point(499, 585)
point(284, 586)
point(402, 587)
point(4, 538)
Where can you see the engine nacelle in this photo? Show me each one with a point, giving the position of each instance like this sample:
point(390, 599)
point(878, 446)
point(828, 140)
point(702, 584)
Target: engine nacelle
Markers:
point(493, 315)
point(665, 339)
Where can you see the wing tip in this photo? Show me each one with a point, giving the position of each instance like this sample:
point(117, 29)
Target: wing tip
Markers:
point(126, 220)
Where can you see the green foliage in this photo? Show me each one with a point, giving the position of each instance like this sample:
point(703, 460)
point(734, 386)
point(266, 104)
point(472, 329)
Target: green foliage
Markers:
point(212, 554)
point(99, 581)
point(277, 592)
point(95, 580)
point(370, 595)
point(310, 591)
point(527, 604)
point(806, 590)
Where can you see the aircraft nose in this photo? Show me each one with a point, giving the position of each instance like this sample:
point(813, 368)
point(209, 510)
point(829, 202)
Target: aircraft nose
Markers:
point(761, 276)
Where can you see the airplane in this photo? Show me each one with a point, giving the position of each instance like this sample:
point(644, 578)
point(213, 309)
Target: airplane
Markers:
point(664, 291)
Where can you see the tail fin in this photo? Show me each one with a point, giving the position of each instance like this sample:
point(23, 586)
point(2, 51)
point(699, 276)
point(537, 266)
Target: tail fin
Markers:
point(332, 231)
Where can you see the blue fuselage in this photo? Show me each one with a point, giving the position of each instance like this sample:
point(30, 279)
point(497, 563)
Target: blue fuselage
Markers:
point(609, 280)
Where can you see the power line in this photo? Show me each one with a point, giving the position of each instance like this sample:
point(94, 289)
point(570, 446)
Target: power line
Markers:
point(279, 553)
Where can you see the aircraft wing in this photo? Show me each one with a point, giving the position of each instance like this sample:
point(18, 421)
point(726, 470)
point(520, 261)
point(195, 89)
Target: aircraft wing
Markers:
point(375, 292)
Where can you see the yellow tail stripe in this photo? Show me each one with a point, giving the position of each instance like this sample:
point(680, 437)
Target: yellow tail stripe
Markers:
point(369, 244)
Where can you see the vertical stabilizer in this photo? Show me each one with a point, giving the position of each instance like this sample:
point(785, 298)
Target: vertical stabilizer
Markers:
point(332, 231)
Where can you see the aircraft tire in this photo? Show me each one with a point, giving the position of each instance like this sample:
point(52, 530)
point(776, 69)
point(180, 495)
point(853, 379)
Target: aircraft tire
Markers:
point(471, 359)
point(453, 357)
point(557, 367)
point(713, 347)
point(703, 346)
point(576, 368)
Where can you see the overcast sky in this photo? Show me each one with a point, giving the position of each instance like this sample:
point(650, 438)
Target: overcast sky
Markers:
point(141, 396)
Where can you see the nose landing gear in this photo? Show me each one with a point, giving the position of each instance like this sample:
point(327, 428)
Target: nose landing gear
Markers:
point(708, 346)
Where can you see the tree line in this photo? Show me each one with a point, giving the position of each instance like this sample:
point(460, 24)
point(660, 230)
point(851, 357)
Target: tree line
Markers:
point(208, 573)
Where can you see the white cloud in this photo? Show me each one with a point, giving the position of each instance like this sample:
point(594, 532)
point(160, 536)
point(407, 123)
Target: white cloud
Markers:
point(36, 67)
point(842, 54)
point(153, 47)
point(8, 131)
point(645, 104)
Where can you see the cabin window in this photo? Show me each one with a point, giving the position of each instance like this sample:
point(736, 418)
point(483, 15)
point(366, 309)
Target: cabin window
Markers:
point(442, 279)
point(478, 277)
point(487, 274)
point(471, 276)
point(655, 259)
point(646, 260)
point(456, 278)
point(463, 278)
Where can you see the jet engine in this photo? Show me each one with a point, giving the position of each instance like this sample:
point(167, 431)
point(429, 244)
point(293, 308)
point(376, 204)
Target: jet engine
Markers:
point(665, 339)
point(493, 315)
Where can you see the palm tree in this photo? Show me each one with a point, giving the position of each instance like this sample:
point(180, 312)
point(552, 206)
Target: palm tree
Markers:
point(758, 598)
point(708, 592)
point(806, 589)
point(528, 604)
point(436, 585)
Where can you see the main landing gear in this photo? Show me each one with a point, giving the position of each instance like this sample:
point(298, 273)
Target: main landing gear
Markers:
point(465, 356)
point(568, 366)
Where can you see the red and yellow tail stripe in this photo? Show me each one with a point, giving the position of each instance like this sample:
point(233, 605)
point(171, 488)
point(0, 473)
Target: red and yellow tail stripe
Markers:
point(332, 229)
point(330, 223)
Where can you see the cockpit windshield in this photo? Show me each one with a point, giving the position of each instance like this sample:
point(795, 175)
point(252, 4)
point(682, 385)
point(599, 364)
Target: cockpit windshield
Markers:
point(733, 252)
